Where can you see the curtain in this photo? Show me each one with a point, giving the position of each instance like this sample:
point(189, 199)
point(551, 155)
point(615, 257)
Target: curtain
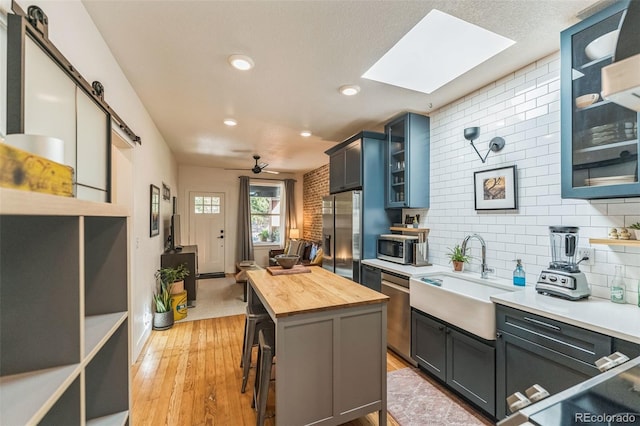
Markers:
point(290, 207)
point(245, 242)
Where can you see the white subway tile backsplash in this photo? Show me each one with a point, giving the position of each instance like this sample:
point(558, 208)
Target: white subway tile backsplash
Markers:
point(524, 109)
point(608, 221)
point(536, 93)
point(625, 209)
point(525, 106)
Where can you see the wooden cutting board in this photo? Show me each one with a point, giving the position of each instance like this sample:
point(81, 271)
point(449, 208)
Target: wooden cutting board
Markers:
point(279, 270)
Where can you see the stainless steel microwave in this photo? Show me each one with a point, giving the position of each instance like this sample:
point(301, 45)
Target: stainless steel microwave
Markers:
point(396, 248)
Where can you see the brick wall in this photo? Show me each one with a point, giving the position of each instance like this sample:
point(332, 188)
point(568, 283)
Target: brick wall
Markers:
point(315, 186)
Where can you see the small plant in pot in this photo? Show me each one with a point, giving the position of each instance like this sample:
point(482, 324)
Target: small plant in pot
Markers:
point(458, 258)
point(264, 234)
point(166, 279)
point(636, 229)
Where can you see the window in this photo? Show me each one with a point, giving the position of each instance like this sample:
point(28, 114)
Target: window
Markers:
point(206, 205)
point(266, 210)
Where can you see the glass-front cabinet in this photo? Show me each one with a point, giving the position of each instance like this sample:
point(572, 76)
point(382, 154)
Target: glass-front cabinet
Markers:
point(599, 137)
point(397, 154)
point(407, 162)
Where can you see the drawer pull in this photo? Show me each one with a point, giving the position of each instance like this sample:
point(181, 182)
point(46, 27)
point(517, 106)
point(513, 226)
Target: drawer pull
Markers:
point(517, 401)
point(544, 324)
point(536, 393)
point(607, 362)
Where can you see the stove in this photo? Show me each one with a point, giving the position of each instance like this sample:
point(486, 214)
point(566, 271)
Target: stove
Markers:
point(610, 398)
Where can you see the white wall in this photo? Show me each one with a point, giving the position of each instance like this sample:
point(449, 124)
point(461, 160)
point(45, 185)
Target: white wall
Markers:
point(193, 178)
point(72, 31)
point(524, 109)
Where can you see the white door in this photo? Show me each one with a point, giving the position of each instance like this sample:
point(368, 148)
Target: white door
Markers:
point(206, 229)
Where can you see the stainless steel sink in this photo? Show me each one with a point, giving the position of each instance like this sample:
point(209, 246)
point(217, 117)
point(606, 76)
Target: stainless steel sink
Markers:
point(458, 299)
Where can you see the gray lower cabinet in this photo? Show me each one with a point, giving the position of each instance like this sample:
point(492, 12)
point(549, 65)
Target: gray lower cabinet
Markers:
point(371, 277)
point(471, 369)
point(632, 350)
point(532, 349)
point(464, 362)
point(429, 344)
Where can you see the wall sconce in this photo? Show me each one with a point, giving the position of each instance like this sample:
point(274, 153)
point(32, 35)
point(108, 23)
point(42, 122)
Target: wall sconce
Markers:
point(495, 145)
point(294, 233)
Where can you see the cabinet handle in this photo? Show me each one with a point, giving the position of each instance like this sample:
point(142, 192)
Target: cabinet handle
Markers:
point(448, 331)
point(498, 335)
point(441, 328)
point(544, 324)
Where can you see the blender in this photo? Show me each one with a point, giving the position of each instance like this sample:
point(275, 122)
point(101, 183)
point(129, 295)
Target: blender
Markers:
point(563, 278)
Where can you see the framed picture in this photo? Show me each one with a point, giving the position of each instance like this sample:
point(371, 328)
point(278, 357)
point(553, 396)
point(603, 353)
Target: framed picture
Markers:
point(154, 228)
point(166, 192)
point(496, 189)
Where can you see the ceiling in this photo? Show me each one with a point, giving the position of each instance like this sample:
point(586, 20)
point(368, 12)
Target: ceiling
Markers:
point(174, 54)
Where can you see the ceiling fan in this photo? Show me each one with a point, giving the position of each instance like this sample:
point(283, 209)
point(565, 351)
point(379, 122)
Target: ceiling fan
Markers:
point(259, 167)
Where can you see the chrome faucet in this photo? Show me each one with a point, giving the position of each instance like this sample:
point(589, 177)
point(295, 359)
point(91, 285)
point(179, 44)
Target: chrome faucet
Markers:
point(484, 271)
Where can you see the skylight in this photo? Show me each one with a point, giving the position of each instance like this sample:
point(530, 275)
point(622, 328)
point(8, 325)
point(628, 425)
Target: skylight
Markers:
point(438, 49)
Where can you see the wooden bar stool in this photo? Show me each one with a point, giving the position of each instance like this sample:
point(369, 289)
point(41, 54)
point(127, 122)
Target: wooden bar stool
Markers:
point(266, 346)
point(256, 319)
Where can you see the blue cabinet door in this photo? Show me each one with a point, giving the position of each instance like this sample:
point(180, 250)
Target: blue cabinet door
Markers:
point(599, 148)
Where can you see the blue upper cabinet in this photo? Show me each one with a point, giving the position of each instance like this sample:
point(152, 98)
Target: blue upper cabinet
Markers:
point(599, 138)
point(407, 162)
point(356, 163)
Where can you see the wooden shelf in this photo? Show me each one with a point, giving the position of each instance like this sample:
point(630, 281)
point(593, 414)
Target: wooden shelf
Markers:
point(98, 329)
point(25, 398)
point(72, 255)
point(612, 242)
point(15, 202)
point(117, 419)
point(414, 230)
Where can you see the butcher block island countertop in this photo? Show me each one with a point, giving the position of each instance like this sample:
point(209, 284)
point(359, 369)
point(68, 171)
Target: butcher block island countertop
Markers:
point(331, 346)
point(319, 290)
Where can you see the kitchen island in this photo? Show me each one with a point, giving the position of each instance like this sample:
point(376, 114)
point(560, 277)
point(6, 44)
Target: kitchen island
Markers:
point(330, 346)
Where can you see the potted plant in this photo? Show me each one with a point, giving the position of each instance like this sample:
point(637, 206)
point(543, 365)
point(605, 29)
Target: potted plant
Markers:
point(458, 258)
point(264, 234)
point(636, 229)
point(166, 278)
point(175, 276)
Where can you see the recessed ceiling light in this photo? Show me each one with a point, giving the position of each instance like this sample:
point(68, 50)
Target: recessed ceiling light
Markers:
point(305, 133)
point(230, 122)
point(419, 63)
point(241, 62)
point(349, 90)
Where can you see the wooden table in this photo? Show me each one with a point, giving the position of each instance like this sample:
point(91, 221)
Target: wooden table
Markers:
point(330, 346)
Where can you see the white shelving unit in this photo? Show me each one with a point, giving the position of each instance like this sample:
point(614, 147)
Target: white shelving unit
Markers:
point(64, 326)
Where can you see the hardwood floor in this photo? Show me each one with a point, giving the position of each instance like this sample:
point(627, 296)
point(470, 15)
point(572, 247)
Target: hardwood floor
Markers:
point(190, 375)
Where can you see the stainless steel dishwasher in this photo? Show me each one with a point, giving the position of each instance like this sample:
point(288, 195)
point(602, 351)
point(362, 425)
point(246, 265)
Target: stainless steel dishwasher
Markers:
point(398, 314)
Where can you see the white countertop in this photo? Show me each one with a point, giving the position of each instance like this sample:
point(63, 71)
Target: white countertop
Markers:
point(408, 270)
point(600, 315)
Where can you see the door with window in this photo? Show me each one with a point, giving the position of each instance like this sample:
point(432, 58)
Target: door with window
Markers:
point(206, 229)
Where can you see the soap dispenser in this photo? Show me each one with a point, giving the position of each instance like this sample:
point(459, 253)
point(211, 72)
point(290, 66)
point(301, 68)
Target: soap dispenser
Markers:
point(518, 274)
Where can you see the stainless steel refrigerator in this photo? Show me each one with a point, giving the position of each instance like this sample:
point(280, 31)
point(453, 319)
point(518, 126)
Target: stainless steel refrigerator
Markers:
point(342, 233)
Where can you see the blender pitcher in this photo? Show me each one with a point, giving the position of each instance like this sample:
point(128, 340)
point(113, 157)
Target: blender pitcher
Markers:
point(564, 244)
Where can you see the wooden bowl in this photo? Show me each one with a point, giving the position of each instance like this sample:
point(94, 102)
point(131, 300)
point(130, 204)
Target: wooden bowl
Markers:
point(287, 260)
